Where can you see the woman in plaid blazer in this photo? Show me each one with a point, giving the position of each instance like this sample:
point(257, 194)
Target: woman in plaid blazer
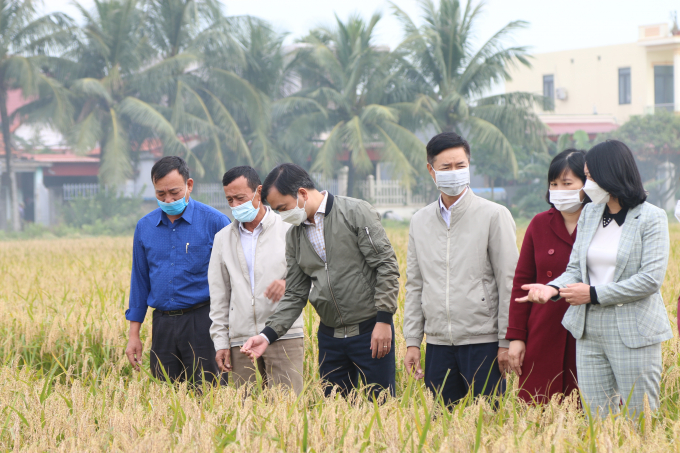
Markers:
point(612, 284)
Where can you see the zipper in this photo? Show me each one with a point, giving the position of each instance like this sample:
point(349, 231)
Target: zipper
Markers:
point(252, 304)
point(328, 276)
point(448, 264)
point(252, 284)
point(371, 239)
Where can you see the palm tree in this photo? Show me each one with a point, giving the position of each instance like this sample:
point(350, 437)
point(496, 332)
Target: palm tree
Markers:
point(442, 53)
point(343, 71)
point(113, 53)
point(185, 86)
point(24, 41)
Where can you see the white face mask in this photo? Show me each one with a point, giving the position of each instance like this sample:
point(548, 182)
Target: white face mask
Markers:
point(295, 216)
point(566, 200)
point(453, 182)
point(596, 193)
point(677, 210)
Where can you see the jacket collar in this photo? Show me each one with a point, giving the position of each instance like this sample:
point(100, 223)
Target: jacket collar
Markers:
point(329, 204)
point(559, 228)
point(457, 211)
point(628, 232)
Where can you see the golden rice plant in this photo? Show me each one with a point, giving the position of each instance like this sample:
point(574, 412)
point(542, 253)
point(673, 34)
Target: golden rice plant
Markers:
point(65, 384)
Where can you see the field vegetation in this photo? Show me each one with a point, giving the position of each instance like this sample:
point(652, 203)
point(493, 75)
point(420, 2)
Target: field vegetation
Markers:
point(65, 383)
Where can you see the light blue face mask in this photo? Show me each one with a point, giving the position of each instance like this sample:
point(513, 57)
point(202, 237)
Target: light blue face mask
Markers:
point(246, 212)
point(176, 207)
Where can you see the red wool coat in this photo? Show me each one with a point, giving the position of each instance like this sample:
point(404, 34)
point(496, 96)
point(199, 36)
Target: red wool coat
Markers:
point(550, 360)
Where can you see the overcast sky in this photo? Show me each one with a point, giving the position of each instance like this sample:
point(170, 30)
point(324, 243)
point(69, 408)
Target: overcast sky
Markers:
point(553, 24)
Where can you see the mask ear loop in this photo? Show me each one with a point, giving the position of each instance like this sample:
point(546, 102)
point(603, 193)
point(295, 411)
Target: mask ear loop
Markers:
point(251, 201)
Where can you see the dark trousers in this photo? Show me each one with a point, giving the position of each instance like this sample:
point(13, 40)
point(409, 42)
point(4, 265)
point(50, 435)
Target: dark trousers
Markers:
point(182, 346)
point(347, 361)
point(472, 366)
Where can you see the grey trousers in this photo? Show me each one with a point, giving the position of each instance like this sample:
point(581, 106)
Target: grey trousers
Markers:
point(281, 364)
point(609, 372)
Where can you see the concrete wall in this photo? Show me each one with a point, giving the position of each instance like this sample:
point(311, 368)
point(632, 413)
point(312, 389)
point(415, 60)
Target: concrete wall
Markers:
point(591, 79)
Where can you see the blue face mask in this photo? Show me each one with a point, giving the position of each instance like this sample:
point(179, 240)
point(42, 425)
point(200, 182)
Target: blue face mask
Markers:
point(174, 208)
point(246, 212)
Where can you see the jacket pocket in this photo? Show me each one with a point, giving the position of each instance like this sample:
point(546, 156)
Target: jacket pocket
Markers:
point(197, 258)
point(486, 299)
point(650, 315)
point(375, 237)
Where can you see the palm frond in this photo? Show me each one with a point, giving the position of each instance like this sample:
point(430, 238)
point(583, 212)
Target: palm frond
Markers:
point(115, 165)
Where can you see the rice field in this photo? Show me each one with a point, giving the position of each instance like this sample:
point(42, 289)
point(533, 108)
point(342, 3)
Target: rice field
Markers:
point(65, 384)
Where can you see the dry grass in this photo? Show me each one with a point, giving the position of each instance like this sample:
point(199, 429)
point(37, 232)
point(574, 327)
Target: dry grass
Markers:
point(65, 385)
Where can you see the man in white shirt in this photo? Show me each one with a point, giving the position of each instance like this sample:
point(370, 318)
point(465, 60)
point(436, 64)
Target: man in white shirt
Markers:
point(246, 277)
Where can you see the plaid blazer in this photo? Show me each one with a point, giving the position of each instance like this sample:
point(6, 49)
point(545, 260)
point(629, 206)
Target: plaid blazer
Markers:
point(641, 263)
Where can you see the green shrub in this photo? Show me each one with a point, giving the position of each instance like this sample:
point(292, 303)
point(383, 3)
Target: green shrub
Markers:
point(108, 213)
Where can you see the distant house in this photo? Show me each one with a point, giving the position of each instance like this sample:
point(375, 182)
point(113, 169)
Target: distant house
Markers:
point(48, 175)
point(599, 88)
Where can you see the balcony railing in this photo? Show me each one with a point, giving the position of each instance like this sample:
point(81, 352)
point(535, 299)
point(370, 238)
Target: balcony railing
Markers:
point(650, 109)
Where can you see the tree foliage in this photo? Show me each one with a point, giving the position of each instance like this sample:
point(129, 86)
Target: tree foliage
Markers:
point(222, 90)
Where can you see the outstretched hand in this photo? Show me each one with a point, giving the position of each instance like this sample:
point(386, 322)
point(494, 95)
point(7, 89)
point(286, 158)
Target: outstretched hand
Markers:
point(538, 294)
point(255, 347)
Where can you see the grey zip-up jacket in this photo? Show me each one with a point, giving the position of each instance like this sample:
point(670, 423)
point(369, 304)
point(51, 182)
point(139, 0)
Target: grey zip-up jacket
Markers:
point(460, 277)
point(236, 312)
point(359, 280)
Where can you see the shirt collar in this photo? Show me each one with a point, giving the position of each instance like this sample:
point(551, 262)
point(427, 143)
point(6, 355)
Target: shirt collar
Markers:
point(322, 208)
point(441, 203)
point(187, 215)
point(619, 217)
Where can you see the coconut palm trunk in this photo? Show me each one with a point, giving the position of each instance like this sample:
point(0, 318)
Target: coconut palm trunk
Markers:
point(12, 179)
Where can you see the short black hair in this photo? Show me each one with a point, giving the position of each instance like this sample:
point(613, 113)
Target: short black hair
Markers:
point(612, 166)
point(444, 141)
point(572, 159)
point(247, 172)
point(167, 165)
point(287, 178)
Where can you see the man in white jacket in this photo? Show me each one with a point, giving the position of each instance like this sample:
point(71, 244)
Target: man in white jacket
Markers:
point(460, 266)
point(247, 277)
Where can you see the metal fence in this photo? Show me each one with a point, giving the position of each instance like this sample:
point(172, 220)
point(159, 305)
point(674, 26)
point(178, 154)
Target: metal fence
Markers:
point(210, 194)
point(378, 192)
point(82, 190)
point(390, 192)
point(324, 183)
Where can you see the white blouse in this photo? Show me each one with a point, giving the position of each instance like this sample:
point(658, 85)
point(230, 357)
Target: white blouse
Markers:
point(601, 258)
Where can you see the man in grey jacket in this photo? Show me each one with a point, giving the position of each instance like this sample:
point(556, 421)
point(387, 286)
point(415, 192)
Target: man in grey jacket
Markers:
point(246, 277)
point(338, 249)
point(461, 261)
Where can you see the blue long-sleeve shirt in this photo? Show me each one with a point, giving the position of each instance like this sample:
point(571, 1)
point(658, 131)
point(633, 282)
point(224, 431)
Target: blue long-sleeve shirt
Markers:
point(170, 260)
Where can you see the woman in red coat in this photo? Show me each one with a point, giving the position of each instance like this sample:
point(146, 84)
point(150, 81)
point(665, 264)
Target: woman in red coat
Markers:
point(542, 352)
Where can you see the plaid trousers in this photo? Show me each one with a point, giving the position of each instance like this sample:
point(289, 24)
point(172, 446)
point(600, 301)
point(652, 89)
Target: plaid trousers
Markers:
point(609, 372)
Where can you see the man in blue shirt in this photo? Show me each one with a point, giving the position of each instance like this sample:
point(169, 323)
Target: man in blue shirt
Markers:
point(170, 257)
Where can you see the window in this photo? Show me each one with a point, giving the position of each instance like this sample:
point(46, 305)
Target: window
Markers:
point(549, 92)
point(664, 97)
point(624, 85)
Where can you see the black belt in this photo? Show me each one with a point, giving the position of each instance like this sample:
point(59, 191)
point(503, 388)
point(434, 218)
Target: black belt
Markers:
point(365, 326)
point(183, 310)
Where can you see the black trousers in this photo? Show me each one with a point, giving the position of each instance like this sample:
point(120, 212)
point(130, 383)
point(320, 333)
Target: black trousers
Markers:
point(471, 366)
point(181, 345)
point(346, 362)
